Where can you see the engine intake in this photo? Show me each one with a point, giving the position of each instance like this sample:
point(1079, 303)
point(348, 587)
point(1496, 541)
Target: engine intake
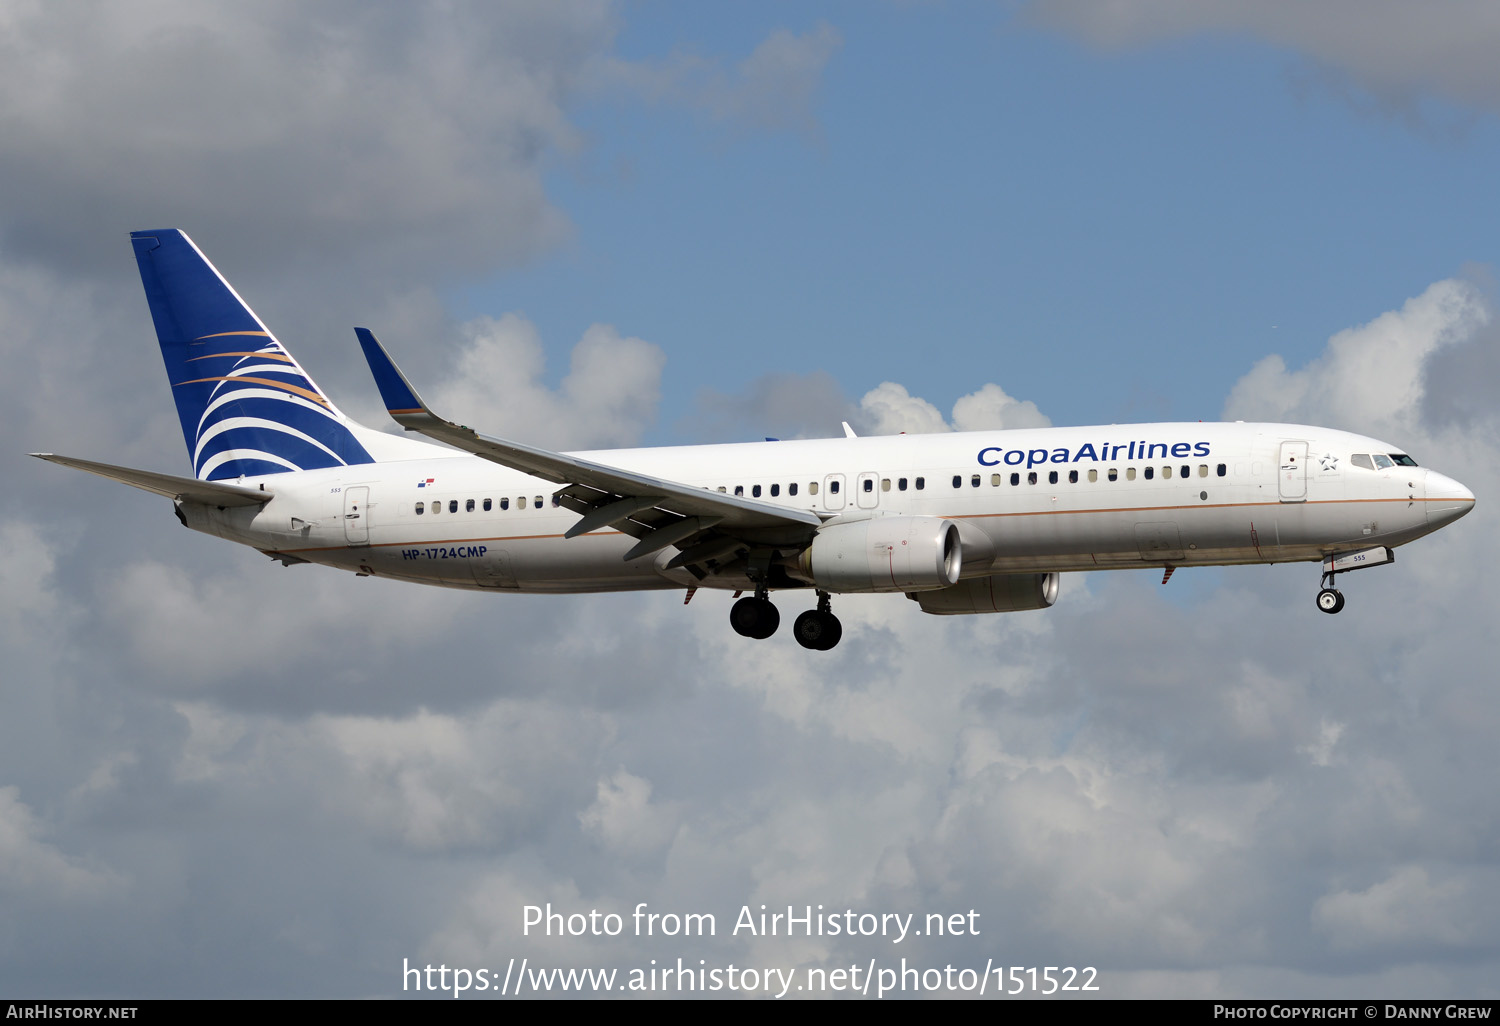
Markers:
point(884, 553)
point(1001, 593)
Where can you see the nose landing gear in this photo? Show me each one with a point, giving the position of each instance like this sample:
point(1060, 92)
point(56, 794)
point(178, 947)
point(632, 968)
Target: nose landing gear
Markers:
point(1330, 600)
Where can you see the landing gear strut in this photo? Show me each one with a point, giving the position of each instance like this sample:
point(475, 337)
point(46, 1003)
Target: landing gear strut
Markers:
point(755, 617)
point(818, 629)
point(1330, 599)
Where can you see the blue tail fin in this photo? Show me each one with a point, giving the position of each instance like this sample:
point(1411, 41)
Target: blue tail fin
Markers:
point(247, 408)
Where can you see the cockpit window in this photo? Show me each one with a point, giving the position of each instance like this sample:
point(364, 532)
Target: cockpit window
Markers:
point(1403, 460)
point(1359, 459)
point(1383, 462)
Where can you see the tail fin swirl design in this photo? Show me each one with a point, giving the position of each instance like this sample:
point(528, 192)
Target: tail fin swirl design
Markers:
point(247, 408)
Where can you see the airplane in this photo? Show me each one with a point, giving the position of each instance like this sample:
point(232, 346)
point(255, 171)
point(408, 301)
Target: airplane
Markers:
point(962, 523)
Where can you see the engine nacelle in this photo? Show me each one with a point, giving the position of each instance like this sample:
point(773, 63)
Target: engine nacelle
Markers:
point(884, 553)
point(1002, 593)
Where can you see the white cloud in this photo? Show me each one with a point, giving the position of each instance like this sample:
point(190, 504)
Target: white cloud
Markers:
point(1398, 51)
point(624, 818)
point(889, 409)
point(294, 131)
point(1371, 377)
point(1406, 907)
point(32, 869)
point(608, 399)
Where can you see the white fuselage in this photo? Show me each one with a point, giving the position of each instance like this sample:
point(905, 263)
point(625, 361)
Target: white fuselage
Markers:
point(1037, 500)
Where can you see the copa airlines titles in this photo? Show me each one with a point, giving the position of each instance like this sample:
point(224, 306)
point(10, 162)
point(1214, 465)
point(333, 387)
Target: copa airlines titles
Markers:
point(994, 455)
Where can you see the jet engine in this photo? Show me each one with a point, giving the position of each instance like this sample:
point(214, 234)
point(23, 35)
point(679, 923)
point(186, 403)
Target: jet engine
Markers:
point(1001, 593)
point(884, 553)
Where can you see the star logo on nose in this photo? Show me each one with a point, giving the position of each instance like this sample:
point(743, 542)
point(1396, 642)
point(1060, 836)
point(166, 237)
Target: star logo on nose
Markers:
point(1329, 461)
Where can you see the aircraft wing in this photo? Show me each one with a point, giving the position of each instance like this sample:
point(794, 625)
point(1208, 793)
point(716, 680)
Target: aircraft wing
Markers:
point(210, 493)
point(705, 525)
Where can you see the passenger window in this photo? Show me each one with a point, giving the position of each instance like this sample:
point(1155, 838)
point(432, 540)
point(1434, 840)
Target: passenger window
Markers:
point(812, 488)
point(900, 484)
point(1223, 469)
point(505, 502)
point(469, 506)
point(421, 508)
point(921, 483)
point(452, 505)
point(869, 484)
point(885, 484)
point(1130, 473)
point(974, 481)
point(488, 505)
point(958, 481)
point(1203, 470)
point(1031, 478)
point(833, 487)
point(437, 507)
point(723, 490)
point(739, 490)
point(1072, 477)
point(1383, 462)
point(1052, 477)
point(1150, 473)
point(520, 502)
point(755, 491)
point(1114, 475)
point(775, 490)
point(1187, 471)
point(1015, 479)
point(791, 489)
point(1093, 476)
point(994, 480)
point(537, 502)
point(1166, 473)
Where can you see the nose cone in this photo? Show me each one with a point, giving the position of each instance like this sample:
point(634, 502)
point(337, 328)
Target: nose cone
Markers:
point(1447, 500)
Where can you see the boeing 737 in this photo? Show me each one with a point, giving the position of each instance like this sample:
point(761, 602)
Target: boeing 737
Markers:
point(974, 522)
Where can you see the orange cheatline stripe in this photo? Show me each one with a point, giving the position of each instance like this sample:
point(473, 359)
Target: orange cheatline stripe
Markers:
point(306, 393)
point(397, 413)
point(1200, 505)
point(222, 334)
point(267, 356)
point(961, 516)
point(451, 541)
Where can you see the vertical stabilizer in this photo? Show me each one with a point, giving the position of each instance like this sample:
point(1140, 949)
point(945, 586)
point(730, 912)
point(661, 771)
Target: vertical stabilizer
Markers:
point(247, 408)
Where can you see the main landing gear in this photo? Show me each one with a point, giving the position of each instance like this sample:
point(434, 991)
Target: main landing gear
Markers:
point(818, 629)
point(755, 617)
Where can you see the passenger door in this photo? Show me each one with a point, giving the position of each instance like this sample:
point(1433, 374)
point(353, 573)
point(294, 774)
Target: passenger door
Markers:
point(357, 515)
point(1292, 475)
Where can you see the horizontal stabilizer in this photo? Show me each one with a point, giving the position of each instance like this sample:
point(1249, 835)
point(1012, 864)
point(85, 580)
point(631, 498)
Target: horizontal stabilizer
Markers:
point(186, 489)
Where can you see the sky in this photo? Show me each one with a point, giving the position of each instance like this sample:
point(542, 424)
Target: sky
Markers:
point(592, 224)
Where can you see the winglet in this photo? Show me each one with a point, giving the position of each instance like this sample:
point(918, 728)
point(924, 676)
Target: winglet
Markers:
point(849, 431)
point(401, 400)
